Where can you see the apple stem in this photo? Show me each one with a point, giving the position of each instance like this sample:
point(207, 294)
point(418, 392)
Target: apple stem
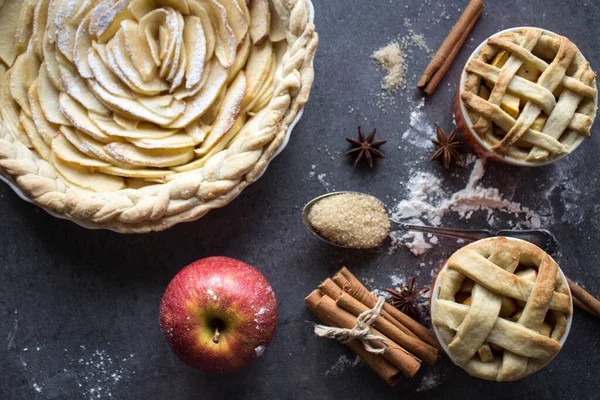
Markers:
point(217, 334)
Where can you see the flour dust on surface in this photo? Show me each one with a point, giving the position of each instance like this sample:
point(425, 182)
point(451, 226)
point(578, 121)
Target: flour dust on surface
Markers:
point(86, 374)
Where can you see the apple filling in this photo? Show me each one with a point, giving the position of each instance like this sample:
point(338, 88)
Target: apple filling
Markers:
point(118, 93)
point(512, 103)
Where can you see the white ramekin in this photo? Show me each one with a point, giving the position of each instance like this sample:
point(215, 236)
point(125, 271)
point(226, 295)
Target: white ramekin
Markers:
point(464, 123)
point(435, 292)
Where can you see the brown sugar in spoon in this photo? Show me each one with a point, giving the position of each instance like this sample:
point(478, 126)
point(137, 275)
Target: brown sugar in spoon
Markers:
point(335, 218)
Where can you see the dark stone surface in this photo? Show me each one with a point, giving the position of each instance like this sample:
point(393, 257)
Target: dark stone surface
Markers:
point(79, 308)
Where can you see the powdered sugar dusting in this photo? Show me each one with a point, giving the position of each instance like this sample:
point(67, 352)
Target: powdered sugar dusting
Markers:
point(397, 280)
point(323, 180)
point(259, 350)
point(322, 177)
point(379, 292)
point(88, 375)
point(414, 241)
point(102, 373)
point(260, 317)
point(430, 380)
point(427, 204)
point(212, 294)
point(420, 132)
point(342, 364)
point(37, 388)
point(103, 15)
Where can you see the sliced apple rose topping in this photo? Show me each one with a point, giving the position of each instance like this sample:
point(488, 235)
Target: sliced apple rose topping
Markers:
point(127, 93)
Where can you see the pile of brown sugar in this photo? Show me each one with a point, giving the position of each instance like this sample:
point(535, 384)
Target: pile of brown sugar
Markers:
point(350, 220)
point(391, 59)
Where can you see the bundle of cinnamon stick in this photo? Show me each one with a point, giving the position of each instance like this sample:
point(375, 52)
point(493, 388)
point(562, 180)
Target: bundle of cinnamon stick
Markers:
point(338, 301)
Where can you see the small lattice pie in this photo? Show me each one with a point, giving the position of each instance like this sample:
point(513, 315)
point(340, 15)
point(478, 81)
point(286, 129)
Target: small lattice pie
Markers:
point(530, 95)
point(502, 308)
point(135, 115)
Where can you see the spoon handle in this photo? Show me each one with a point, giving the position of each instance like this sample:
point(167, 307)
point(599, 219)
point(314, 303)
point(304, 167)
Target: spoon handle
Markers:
point(540, 237)
point(466, 234)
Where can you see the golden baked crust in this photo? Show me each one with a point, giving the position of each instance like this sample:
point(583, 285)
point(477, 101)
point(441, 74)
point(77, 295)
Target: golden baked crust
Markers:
point(516, 313)
point(552, 81)
point(97, 130)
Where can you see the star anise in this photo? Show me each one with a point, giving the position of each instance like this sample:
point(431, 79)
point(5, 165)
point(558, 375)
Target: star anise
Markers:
point(366, 148)
point(406, 297)
point(447, 147)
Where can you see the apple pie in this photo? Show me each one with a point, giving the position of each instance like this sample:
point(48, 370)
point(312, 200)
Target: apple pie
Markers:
point(135, 115)
point(501, 308)
point(530, 95)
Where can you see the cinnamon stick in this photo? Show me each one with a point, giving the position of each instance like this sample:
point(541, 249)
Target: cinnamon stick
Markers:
point(333, 290)
point(359, 292)
point(330, 288)
point(344, 282)
point(348, 282)
point(417, 347)
point(383, 368)
point(581, 305)
point(443, 58)
point(584, 300)
point(396, 355)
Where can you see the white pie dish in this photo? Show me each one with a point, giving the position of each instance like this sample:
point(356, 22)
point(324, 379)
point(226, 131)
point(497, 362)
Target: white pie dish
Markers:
point(20, 193)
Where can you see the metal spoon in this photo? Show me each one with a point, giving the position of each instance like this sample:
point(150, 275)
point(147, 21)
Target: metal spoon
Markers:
point(540, 237)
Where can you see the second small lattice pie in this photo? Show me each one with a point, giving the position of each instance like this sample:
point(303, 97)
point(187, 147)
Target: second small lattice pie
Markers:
point(501, 309)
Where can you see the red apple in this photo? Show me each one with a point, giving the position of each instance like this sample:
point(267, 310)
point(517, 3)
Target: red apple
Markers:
point(218, 314)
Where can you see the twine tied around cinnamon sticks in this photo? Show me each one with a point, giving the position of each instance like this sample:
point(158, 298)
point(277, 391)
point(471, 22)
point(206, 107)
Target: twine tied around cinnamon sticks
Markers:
point(340, 301)
point(361, 330)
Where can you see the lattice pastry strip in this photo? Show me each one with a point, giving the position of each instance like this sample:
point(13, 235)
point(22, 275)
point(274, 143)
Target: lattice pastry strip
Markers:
point(564, 112)
point(549, 79)
point(564, 84)
point(505, 77)
point(506, 122)
point(470, 330)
